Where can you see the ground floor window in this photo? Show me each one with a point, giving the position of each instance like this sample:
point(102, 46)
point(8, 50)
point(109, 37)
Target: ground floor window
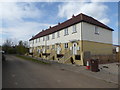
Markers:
point(53, 46)
point(47, 47)
point(66, 45)
point(77, 57)
point(59, 55)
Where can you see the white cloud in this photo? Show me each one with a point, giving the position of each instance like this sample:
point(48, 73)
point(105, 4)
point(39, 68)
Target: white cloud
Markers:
point(104, 0)
point(24, 30)
point(16, 11)
point(58, 0)
point(94, 9)
point(14, 26)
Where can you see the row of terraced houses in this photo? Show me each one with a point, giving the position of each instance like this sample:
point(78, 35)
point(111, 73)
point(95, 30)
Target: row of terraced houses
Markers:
point(73, 40)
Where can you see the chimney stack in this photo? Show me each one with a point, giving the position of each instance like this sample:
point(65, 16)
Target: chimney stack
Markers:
point(58, 23)
point(73, 16)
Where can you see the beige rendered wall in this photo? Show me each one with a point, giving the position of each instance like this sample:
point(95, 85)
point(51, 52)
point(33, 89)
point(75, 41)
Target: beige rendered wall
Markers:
point(97, 48)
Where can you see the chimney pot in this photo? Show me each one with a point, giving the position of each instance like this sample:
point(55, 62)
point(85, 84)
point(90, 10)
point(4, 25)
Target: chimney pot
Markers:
point(73, 16)
point(59, 23)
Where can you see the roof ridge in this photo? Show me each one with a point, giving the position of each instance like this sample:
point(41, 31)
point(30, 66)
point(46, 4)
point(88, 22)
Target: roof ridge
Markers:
point(76, 19)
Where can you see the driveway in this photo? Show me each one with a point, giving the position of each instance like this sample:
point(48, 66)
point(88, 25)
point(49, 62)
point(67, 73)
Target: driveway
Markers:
point(19, 73)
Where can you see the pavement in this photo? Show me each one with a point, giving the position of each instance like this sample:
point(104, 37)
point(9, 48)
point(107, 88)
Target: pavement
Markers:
point(19, 73)
point(108, 72)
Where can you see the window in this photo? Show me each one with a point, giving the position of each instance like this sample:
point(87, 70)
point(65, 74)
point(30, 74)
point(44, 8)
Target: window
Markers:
point(53, 35)
point(66, 45)
point(43, 38)
point(77, 57)
point(96, 30)
point(36, 40)
point(53, 46)
point(74, 29)
point(47, 38)
point(33, 41)
point(58, 34)
point(47, 47)
point(66, 31)
point(39, 39)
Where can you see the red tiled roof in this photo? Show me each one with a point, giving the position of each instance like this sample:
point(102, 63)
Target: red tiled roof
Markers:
point(75, 19)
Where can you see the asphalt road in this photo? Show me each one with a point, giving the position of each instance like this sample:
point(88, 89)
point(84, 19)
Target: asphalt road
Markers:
point(19, 73)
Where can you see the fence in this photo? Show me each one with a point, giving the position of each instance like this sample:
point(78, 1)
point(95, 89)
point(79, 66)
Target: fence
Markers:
point(103, 55)
point(106, 58)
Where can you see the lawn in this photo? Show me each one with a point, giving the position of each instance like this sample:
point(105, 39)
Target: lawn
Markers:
point(31, 59)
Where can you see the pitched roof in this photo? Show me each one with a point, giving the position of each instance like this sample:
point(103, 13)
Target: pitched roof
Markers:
point(75, 19)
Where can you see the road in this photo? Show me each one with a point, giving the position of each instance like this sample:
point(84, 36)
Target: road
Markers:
point(19, 73)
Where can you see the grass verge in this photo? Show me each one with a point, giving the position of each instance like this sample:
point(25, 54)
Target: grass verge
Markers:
point(31, 59)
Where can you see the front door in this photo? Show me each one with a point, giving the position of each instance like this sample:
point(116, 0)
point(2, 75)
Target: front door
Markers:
point(74, 49)
point(58, 49)
point(43, 50)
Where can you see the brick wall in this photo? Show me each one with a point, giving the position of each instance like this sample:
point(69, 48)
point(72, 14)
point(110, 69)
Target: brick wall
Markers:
point(106, 58)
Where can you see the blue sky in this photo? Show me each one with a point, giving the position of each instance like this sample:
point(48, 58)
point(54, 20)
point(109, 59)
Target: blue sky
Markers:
point(22, 20)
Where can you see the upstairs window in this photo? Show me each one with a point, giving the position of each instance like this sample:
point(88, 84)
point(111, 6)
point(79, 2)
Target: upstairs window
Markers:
point(66, 45)
point(38, 40)
point(43, 38)
point(74, 29)
point(47, 38)
point(66, 31)
point(53, 35)
point(34, 41)
point(58, 34)
point(96, 30)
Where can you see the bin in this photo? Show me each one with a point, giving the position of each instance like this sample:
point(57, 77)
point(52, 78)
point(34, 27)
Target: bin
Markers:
point(94, 65)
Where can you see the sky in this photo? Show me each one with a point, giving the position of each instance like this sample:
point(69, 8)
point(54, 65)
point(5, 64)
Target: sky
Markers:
point(22, 20)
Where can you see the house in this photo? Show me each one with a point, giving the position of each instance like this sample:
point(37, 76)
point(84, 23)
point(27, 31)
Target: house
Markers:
point(73, 41)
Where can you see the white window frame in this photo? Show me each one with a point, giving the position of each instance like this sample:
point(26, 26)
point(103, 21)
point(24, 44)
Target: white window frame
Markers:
point(74, 29)
point(44, 38)
point(47, 37)
point(53, 46)
point(37, 39)
point(96, 30)
point(66, 45)
point(58, 34)
point(53, 36)
point(48, 47)
point(66, 31)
